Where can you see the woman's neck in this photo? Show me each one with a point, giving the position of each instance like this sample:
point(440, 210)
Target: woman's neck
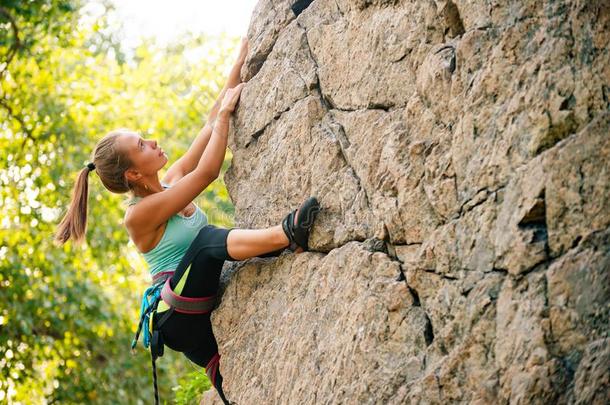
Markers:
point(148, 187)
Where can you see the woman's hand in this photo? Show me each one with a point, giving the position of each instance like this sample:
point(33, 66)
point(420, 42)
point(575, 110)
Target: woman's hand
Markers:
point(225, 103)
point(243, 51)
point(230, 99)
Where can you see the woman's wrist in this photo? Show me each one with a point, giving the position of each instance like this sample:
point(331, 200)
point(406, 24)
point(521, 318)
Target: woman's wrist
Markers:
point(240, 61)
point(223, 115)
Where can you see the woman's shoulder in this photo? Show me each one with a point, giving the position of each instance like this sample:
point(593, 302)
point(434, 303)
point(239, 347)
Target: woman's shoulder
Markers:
point(141, 237)
point(131, 206)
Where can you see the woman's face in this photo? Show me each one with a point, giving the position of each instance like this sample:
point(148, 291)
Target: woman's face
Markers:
point(147, 157)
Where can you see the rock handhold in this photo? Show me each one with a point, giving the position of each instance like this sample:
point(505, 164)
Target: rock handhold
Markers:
point(298, 7)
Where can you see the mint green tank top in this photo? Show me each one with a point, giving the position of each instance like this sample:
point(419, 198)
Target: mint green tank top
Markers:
point(177, 237)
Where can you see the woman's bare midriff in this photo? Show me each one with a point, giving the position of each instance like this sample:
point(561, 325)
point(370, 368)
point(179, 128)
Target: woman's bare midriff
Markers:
point(147, 242)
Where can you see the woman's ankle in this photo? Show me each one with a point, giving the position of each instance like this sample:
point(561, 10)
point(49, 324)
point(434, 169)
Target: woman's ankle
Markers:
point(281, 237)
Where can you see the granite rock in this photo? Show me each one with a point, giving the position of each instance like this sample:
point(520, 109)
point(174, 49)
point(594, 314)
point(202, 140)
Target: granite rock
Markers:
point(461, 153)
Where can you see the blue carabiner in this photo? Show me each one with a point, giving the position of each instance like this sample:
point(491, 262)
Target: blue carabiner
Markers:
point(147, 306)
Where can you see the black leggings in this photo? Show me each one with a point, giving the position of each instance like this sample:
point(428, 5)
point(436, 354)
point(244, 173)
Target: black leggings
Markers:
point(192, 333)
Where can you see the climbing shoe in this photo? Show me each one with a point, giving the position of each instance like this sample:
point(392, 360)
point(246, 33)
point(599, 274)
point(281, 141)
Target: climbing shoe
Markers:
point(297, 224)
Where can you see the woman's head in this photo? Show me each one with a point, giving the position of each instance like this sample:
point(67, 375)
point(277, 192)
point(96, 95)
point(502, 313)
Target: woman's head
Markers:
point(145, 156)
point(123, 161)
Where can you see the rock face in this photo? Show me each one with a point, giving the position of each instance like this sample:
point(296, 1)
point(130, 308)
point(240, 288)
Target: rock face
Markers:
point(461, 153)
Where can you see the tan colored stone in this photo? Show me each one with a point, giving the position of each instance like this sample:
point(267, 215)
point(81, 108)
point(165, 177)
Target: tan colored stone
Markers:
point(520, 233)
point(266, 194)
point(342, 317)
point(289, 72)
point(460, 151)
point(578, 295)
point(592, 379)
point(266, 23)
point(578, 190)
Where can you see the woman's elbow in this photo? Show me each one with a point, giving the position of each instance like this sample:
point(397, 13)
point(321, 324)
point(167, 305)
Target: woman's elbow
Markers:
point(211, 174)
point(215, 174)
point(206, 175)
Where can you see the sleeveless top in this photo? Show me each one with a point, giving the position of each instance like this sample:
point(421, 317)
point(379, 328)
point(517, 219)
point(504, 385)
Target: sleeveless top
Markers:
point(177, 237)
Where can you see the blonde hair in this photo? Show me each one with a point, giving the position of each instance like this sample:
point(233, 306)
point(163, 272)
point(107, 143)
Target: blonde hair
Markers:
point(110, 164)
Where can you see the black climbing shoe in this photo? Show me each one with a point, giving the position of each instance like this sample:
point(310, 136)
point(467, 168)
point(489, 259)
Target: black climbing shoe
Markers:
point(297, 230)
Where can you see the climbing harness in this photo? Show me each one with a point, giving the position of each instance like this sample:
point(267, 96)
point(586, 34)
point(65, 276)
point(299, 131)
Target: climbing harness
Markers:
point(162, 291)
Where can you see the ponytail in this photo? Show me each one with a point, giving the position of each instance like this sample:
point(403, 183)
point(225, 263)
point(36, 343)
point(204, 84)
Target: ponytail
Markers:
point(110, 163)
point(74, 224)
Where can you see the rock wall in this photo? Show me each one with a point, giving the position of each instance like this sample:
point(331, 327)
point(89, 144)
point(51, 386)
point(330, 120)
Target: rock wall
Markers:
point(461, 153)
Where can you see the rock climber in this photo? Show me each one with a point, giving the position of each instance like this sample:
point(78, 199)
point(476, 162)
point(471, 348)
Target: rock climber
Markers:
point(185, 254)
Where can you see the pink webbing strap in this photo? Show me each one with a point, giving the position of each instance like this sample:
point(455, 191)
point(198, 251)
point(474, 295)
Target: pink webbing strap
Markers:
point(161, 275)
point(186, 305)
point(212, 367)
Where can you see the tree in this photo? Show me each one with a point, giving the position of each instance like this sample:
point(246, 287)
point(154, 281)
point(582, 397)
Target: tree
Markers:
point(67, 315)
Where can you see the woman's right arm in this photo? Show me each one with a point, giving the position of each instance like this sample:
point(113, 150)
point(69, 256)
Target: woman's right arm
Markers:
point(189, 160)
point(157, 208)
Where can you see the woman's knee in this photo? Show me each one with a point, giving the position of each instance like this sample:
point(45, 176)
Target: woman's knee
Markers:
point(214, 241)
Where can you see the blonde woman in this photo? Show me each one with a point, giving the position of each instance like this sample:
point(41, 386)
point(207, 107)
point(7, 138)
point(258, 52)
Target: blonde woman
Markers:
point(185, 254)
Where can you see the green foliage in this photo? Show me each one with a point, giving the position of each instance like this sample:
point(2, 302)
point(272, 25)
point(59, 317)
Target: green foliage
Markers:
point(191, 386)
point(67, 315)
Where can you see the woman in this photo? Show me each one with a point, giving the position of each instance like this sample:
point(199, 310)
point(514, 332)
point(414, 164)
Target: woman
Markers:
point(184, 253)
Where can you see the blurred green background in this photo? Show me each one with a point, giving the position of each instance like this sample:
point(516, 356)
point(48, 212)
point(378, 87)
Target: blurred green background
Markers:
point(68, 315)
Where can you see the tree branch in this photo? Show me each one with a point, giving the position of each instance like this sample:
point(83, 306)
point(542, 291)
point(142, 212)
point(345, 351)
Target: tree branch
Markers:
point(16, 45)
point(28, 133)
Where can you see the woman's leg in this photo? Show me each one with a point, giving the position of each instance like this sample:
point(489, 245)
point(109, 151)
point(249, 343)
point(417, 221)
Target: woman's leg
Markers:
point(212, 246)
point(211, 363)
point(192, 334)
point(246, 243)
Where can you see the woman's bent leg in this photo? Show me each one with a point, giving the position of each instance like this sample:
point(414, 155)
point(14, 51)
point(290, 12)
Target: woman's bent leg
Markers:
point(246, 243)
point(192, 334)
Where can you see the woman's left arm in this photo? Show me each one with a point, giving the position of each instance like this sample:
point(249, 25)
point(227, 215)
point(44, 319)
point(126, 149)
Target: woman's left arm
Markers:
point(189, 160)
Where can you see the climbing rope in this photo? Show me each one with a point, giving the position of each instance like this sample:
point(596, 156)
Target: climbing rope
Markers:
point(154, 367)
